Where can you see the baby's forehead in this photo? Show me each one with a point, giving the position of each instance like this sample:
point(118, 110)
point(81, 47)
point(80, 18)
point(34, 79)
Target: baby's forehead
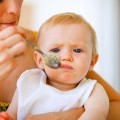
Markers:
point(50, 27)
point(64, 30)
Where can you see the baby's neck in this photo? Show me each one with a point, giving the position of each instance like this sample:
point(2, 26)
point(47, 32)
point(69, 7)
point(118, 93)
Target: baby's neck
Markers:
point(61, 86)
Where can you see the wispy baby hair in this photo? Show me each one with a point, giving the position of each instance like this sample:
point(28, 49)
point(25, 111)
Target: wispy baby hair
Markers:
point(66, 19)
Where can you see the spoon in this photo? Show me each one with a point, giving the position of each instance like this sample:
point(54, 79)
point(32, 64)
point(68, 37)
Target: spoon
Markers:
point(50, 60)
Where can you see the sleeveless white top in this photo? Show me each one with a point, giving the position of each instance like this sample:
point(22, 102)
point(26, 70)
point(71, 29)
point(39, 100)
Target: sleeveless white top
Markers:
point(36, 97)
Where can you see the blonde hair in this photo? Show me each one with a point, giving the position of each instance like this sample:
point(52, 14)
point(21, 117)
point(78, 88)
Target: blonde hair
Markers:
point(66, 19)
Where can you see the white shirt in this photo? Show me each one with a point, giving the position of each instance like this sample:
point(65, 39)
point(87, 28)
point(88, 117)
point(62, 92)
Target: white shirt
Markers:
point(36, 97)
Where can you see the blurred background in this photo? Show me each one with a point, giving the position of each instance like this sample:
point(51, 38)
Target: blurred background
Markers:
point(103, 15)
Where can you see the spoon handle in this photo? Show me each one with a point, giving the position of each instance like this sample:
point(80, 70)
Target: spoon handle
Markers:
point(30, 44)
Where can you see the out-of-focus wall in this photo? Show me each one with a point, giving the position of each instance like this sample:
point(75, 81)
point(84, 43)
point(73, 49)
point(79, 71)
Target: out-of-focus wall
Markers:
point(103, 15)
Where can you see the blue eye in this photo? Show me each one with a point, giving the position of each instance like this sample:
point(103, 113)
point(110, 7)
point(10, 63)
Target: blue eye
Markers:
point(55, 50)
point(77, 50)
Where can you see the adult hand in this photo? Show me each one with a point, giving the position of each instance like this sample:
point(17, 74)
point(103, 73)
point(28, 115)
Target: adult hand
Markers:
point(12, 44)
point(72, 114)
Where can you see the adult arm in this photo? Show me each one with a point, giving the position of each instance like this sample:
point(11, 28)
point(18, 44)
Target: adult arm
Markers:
point(72, 114)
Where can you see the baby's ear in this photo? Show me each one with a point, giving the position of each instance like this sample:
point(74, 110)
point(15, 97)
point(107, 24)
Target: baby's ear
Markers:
point(93, 61)
point(39, 60)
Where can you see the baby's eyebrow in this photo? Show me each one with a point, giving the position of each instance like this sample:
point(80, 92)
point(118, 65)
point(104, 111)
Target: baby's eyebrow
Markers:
point(56, 45)
point(78, 44)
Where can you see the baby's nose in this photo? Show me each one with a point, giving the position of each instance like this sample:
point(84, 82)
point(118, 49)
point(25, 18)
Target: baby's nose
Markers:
point(66, 56)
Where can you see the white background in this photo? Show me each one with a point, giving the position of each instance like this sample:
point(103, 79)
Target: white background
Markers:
point(103, 15)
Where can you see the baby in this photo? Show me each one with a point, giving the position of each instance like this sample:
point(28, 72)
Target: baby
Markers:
point(72, 39)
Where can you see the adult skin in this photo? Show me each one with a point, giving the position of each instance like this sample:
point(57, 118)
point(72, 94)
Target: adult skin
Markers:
point(16, 57)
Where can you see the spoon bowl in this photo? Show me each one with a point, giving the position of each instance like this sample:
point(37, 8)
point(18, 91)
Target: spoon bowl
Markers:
point(50, 60)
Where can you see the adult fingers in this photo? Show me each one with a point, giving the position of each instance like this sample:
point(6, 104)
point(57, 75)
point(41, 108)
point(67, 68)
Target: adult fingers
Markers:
point(6, 52)
point(4, 34)
point(5, 68)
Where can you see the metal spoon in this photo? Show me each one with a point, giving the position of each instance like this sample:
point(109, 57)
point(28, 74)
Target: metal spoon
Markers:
point(50, 60)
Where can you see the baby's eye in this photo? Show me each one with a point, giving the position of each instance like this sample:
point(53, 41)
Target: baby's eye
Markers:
point(77, 50)
point(55, 50)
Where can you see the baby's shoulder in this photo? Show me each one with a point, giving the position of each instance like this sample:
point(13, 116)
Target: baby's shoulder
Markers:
point(31, 77)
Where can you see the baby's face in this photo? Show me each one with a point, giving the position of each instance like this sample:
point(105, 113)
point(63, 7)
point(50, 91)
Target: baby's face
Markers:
point(72, 45)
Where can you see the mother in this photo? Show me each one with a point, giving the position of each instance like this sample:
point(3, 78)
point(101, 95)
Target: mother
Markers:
point(16, 57)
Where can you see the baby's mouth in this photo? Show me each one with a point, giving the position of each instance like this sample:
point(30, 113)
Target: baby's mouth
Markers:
point(66, 66)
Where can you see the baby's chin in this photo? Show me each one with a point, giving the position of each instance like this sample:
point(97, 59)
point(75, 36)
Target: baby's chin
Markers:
point(70, 79)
